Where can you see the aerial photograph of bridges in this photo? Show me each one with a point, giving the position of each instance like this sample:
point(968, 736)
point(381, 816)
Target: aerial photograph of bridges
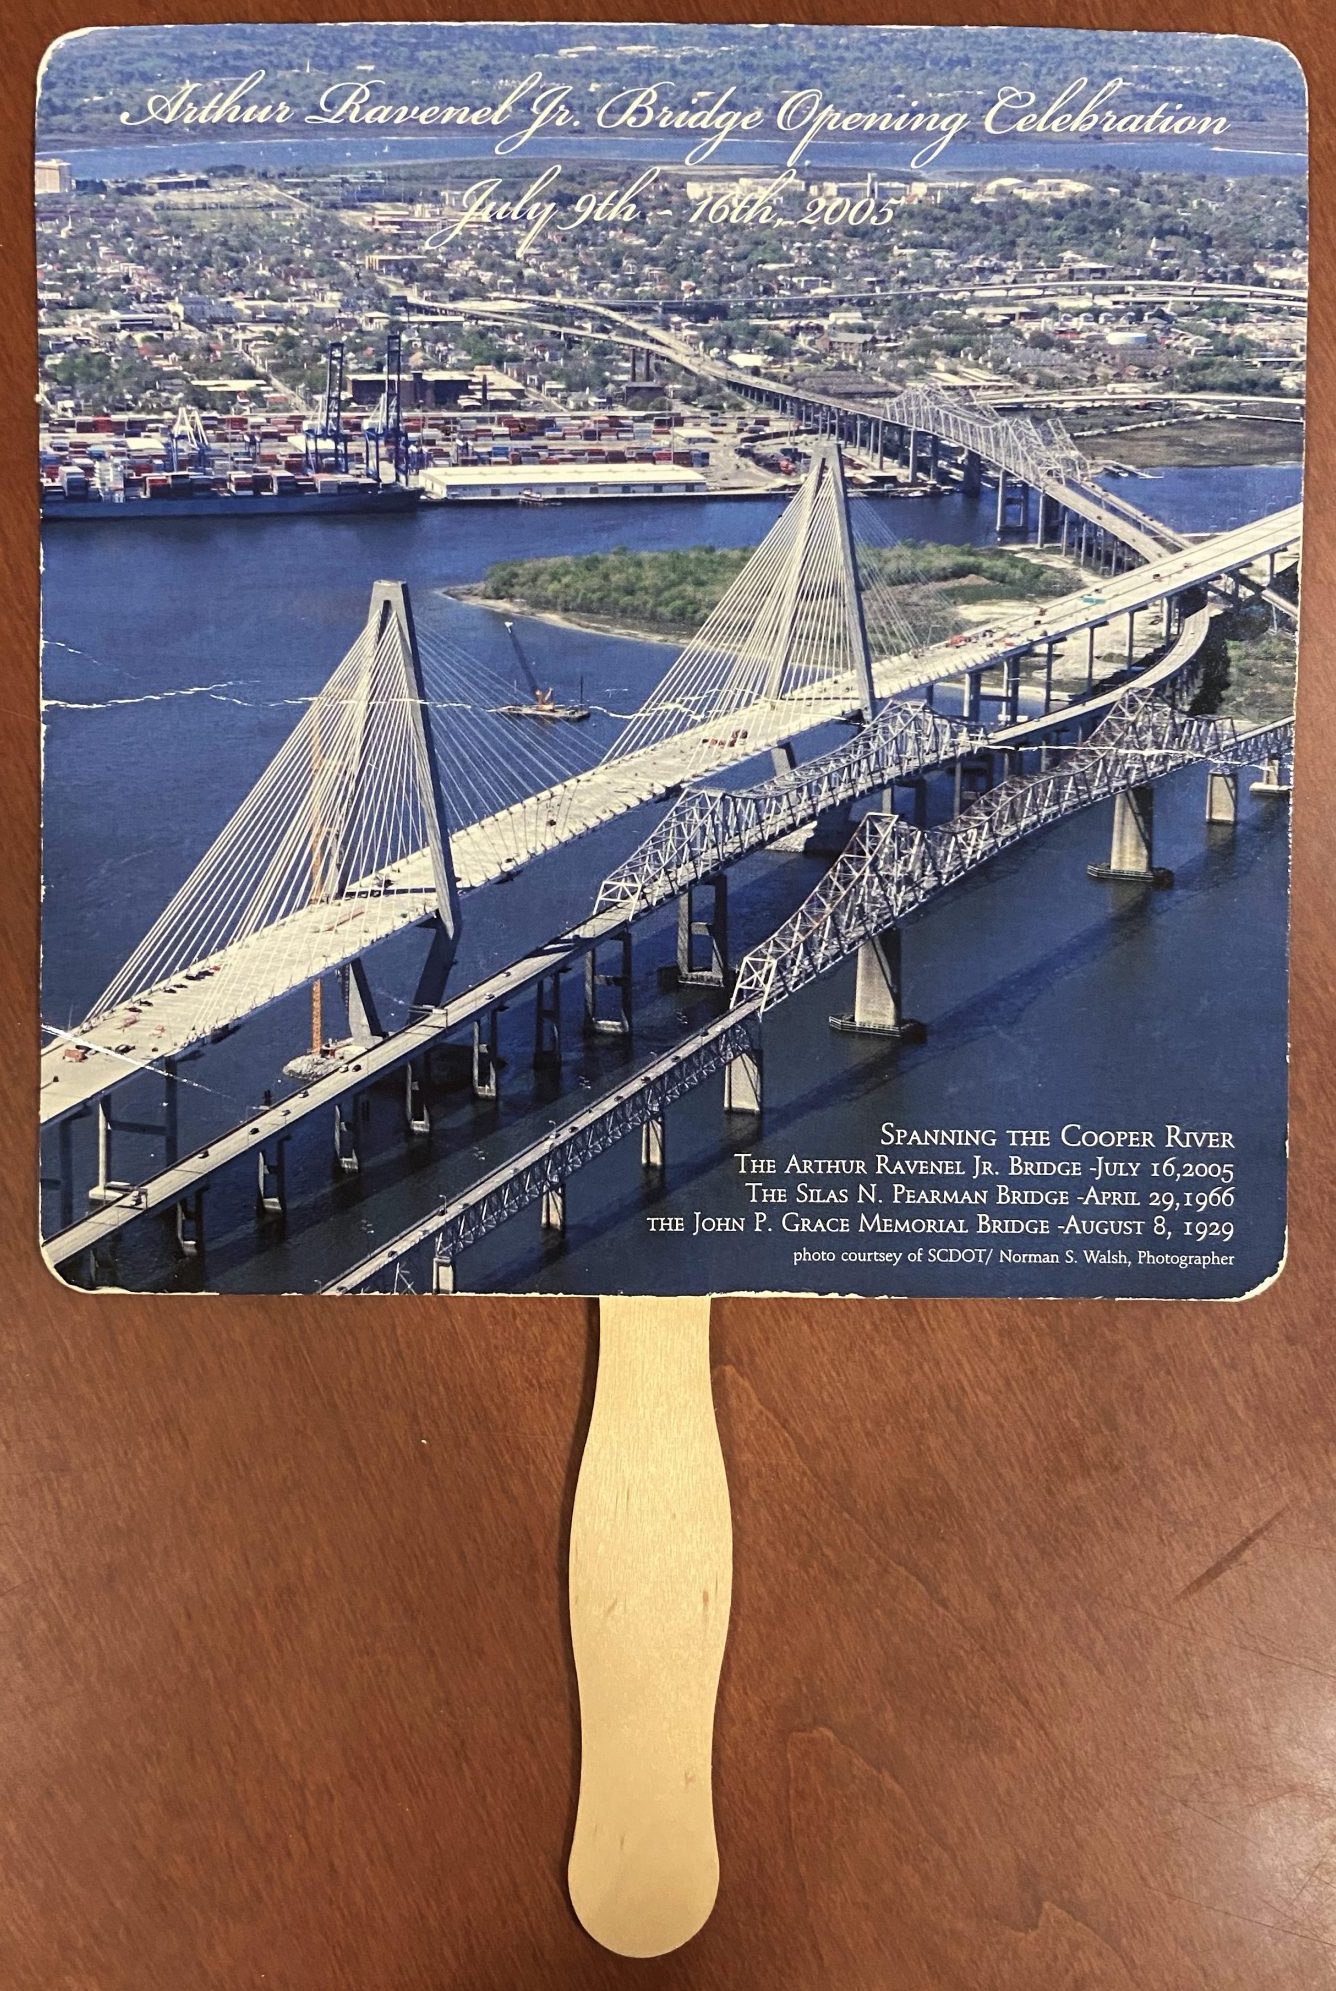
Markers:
point(668, 658)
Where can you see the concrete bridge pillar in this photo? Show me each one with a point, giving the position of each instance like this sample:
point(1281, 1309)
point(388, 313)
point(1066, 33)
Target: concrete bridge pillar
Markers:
point(830, 831)
point(1273, 782)
point(416, 1116)
point(1131, 637)
point(552, 1207)
point(486, 1064)
point(1090, 654)
point(107, 1187)
point(974, 776)
point(345, 1135)
point(1001, 521)
point(652, 1145)
point(271, 1185)
point(971, 473)
point(911, 455)
point(547, 1022)
point(1131, 857)
point(932, 458)
point(190, 1225)
point(742, 1082)
point(1167, 627)
point(973, 696)
point(364, 1024)
point(918, 803)
point(713, 970)
point(101, 1259)
point(1066, 528)
point(1048, 677)
point(617, 1021)
point(444, 1277)
point(1222, 796)
point(1011, 689)
point(878, 1009)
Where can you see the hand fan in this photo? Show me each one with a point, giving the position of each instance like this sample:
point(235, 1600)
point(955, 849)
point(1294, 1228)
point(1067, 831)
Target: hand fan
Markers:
point(651, 1572)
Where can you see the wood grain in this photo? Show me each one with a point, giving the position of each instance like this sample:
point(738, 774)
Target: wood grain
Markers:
point(1029, 1682)
point(651, 1576)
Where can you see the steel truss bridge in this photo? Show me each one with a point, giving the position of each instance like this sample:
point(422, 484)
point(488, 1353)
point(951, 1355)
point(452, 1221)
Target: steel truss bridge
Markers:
point(915, 427)
point(344, 840)
point(889, 871)
point(707, 831)
point(273, 931)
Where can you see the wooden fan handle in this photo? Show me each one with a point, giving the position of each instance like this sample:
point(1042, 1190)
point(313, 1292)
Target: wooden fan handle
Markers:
point(651, 1579)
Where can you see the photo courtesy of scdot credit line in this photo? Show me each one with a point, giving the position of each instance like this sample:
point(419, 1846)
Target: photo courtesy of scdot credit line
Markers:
point(668, 658)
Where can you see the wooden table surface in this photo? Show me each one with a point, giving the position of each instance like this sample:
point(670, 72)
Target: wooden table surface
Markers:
point(1032, 1674)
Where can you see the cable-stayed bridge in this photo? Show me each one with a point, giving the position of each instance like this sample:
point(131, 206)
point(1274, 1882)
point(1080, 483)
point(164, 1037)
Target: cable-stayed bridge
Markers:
point(349, 838)
point(706, 832)
point(408, 781)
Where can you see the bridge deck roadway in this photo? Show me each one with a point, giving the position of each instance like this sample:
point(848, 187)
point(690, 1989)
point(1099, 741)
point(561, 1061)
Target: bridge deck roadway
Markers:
point(364, 1067)
point(171, 1017)
point(357, 1069)
point(1148, 537)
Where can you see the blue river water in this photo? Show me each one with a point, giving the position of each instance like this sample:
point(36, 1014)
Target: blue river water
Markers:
point(177, 656)
point(169, 153)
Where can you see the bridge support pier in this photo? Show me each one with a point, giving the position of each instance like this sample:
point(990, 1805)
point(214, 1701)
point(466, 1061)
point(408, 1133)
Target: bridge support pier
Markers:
point(742, 1082)
point(1090, 658)
point(973, 696)
point(444, 1276)
point(974, 776)
point(1131, 637)
point(106, 1189)
point(712, 929)
point(190, 1225)
point(547, 1022)
point(486, 1064)
point(617, 1023)
point(1273, 783)
point(1222, 796)
point(971, 474)
point(1001, 520)
point(918, 805)
point(877, 1009)
point(345, 1135)
point(1011, 689)
point(1044, 522)
point(416, 1115)
point(271, 1187)
point(653, 1145)
point(1131, 857)
point(101, 1260)
point(830, 832)
point(1048, 679)
point(364, 1024)
point(552, 1208)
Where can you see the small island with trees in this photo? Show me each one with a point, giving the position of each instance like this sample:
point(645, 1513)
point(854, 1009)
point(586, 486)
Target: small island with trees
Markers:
point(668, 595)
